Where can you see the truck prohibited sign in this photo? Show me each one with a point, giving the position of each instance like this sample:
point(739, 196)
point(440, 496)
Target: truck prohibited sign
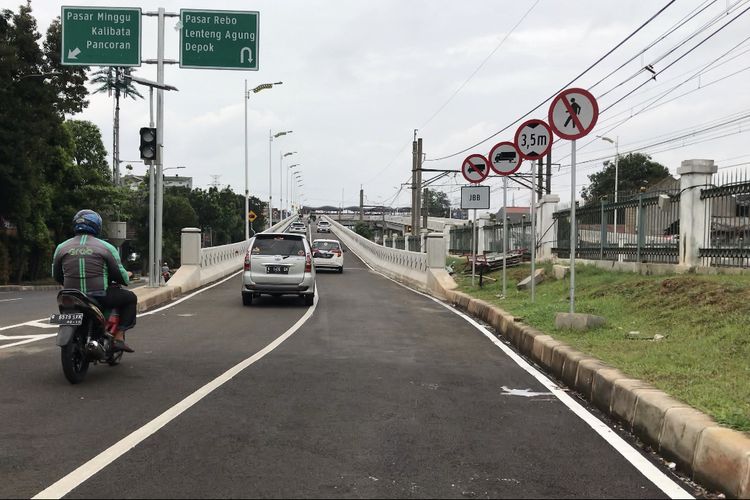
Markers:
point(573, 113)
point(475, 168)
point(533, 139)
point(504, 158)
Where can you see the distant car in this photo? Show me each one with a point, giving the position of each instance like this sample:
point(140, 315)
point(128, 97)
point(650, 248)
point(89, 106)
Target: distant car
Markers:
point(278, 264)
point(298, 227)
point(324, 226)
point(328, 254)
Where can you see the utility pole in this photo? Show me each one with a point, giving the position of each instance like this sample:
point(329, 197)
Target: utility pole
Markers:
point(425, 208)
point(414, 185)
point(417, 227)
point(548, 180)
point(361, 204)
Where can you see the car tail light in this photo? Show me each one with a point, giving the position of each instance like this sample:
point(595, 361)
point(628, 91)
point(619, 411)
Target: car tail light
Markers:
point(247, 261)
point(308, 263)
point(336, 252)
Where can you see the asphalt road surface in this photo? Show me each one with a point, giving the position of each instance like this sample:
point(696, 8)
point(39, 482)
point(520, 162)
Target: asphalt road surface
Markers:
point(376, 391)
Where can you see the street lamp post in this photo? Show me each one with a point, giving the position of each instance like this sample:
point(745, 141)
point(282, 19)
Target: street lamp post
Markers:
point(617, 160)
point(271, 137)
point(288, 181)
point(281, 182)
point(247, 191)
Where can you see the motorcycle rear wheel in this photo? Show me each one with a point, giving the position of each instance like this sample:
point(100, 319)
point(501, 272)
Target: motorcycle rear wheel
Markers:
point(73, 356)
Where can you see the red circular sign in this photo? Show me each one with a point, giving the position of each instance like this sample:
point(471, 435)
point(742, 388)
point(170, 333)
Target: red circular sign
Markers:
point(533, 139)
point(573, 113)
point(504, 158)
point(475, 168)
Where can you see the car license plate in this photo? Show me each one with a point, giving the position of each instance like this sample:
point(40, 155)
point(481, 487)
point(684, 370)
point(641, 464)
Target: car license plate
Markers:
point(67, 319)
point(277, 270)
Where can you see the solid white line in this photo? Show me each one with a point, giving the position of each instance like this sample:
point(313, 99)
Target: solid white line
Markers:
point(27, 341)
point(649, 470)
point(183, 299)
point(65, 485)
point(8, 300)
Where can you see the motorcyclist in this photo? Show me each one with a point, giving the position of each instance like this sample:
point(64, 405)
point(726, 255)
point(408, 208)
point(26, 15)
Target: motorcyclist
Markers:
point(165, 272)
point(89, 264)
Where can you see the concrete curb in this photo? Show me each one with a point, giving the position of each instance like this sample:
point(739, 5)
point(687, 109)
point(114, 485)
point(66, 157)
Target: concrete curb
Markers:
point(714, 456)
point(29, 288)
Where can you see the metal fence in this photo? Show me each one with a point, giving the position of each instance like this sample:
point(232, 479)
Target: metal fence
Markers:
point(726, 241)
point(642, 227)
point(491, 238)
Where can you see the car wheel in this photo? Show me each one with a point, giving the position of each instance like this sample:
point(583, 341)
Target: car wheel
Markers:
point(309, 299)
point(247, 299)
point(341, 269)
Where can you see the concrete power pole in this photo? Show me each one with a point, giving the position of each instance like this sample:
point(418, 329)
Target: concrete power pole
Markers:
point(361, 204)
point(414, 185)
point(425, 208)
point(417, 190)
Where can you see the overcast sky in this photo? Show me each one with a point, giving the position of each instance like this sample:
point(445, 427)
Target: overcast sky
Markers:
point(360, 75)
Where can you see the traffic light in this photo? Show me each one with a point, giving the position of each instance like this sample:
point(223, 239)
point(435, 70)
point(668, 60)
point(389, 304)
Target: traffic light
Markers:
point(148, 144)
point(407, 229)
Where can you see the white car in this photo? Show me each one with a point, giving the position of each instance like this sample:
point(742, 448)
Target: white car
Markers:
point(324, 226)
point(298, 227)
point(328, 254)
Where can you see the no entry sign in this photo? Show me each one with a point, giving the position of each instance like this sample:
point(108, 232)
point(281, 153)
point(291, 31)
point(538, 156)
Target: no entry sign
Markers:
point(533, 139)
point(475, 168)
point(504, 158)
point(573, 113)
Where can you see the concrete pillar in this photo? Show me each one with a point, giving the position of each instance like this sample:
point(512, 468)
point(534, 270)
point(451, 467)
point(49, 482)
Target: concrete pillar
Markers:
point(435, 251)
point(481, 223)
point(190, 251)
point(423, 241)
point(407, 240)
point(447, 238)
point(695, 220)
point(393, 240)
point(546, 225)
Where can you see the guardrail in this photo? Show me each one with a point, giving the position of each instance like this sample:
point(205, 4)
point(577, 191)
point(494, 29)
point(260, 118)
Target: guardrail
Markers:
point(403, 265)
point(211, 256)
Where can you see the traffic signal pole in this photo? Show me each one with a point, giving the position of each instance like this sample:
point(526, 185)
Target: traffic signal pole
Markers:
point(159, 146)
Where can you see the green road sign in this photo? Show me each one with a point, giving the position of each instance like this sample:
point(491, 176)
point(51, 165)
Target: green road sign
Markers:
point(219, 39)
point(101, 36)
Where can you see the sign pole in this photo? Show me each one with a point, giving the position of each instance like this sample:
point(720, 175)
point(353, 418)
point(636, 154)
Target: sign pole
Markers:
point(159, 143)
point(573, 231)
point(533, 235)
point(151, 201)
point(505, 232)
point(474, 248)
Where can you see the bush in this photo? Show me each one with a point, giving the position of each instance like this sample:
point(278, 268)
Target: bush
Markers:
point(363, 229)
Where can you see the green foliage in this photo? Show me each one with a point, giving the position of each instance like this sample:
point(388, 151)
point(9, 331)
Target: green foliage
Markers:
point(363, 229)
point(437, 204)
point(634, 170)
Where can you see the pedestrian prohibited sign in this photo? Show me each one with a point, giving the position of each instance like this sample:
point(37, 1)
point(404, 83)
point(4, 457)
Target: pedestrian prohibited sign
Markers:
point(251, 216)
point(573, 113)
point(533, 139)
point(504, 158)
point(475, 168)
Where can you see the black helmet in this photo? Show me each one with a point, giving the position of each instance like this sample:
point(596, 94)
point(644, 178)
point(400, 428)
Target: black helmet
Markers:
point(87, 221)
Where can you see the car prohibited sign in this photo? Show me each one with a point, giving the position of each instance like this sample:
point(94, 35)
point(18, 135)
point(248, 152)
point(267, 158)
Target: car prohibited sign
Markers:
point(533, 139)
point(573, 113)
point(475, 168)
point(504, 158)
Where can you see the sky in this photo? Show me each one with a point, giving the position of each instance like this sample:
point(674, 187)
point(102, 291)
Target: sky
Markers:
point(359, 76)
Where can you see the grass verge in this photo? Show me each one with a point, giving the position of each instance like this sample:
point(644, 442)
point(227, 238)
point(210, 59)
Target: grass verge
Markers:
point(704, 357)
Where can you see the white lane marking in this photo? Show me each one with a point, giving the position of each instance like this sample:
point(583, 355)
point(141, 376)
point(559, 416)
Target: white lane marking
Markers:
point(526, 393)
point(66, 484)
point(8, 300)
point(29, 339)
point(649, 470)
point(40, 323)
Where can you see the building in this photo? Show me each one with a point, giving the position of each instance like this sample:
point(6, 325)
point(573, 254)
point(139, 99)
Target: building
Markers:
point(133, 181)
point(516, 214)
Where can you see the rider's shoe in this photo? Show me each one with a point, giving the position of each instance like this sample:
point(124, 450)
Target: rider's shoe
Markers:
point(120, 345)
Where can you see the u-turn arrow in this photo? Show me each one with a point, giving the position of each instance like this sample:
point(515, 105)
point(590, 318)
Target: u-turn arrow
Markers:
point(249, 55)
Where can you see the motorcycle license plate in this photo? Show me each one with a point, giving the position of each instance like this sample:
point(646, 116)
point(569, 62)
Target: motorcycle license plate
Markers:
point(277, 270)
point(67, 319)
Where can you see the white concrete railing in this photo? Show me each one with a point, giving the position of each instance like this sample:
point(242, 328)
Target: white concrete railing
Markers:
point(211, 256)
point(433, 223)
point(204, 265)
point(403, 265)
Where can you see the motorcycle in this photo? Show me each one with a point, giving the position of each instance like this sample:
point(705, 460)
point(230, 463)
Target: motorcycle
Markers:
point(85, 334)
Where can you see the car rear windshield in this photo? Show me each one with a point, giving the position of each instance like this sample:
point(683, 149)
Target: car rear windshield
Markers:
point(324, 223)
point(326, 245)
point(279, 245)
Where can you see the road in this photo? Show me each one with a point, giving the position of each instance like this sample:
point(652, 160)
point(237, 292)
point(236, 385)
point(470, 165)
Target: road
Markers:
point(375, 391)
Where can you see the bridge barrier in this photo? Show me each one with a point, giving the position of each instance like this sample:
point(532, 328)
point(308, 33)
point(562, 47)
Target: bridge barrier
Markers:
point(200, 266)
point(424, 271)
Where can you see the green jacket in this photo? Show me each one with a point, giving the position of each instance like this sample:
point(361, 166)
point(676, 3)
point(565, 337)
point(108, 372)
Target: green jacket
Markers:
point(88, 264)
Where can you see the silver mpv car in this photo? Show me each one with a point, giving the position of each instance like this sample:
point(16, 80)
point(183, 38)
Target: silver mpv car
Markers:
point(278, 264)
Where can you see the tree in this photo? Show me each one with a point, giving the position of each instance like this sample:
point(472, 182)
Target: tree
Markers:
point(114, 78)
point(634, 171)
point(363, 229)
point(70, 83)
point(437, 204)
